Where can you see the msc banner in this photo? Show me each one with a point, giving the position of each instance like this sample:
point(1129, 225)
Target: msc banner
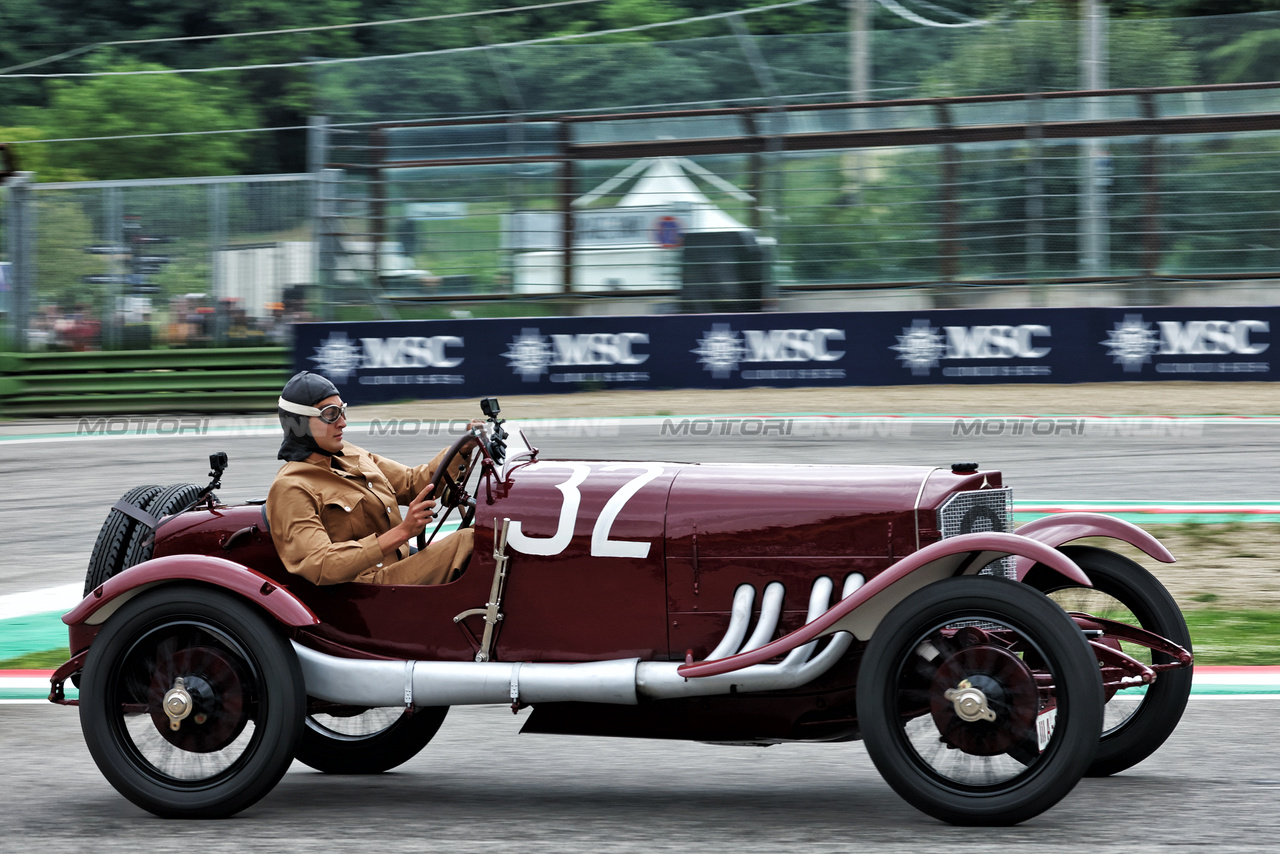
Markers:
point(395, 360)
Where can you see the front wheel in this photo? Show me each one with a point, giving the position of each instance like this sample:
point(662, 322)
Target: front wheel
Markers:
point(979, 701)
point(366, 741)
point(191, 702)
point(1138, 720)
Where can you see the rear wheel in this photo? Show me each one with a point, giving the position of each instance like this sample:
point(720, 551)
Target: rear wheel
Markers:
point(1137, 720)
point(979, 701)
point(367, 741)
point(191, 702)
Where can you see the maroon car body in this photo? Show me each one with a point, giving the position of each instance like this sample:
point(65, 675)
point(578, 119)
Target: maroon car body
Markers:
point(635, 571)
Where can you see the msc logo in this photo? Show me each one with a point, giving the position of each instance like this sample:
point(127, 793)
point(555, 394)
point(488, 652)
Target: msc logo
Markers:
point(411, 352)
point(791, 345)
point(599, 348)
point(1132, 342)
point(721, 349)
point(995, 342)
point(1211, 337)
point(921, 347)
point(530, 354)
point(338, 357)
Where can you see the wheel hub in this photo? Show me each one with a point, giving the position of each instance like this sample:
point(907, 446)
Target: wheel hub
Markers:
point(200, 699)
point(177, 704)
point(970, 703)
point(984, 700)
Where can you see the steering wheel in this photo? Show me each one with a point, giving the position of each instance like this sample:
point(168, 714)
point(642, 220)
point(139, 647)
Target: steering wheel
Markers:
point(450, 493)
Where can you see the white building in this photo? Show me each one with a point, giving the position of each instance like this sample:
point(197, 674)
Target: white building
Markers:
point(632, 245)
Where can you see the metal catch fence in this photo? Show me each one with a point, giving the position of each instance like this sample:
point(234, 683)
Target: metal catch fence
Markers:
point(191, 262)
point(729, 208)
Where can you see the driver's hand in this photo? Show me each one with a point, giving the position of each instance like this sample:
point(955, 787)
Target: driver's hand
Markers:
point(420, 513)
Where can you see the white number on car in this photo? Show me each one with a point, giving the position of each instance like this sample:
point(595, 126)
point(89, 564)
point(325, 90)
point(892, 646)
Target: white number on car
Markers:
point(601, 544)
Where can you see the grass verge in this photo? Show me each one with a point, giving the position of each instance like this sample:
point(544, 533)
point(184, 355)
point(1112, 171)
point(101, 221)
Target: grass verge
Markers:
point(48, 660)
point(1234, 637)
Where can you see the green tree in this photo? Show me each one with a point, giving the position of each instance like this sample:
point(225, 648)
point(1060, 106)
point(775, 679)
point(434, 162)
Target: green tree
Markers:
point(1250, 58)
point(35, 156)
point(146, 104)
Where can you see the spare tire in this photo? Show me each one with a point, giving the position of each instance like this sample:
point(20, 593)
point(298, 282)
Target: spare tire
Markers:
point(169, 500)
point(115, 537)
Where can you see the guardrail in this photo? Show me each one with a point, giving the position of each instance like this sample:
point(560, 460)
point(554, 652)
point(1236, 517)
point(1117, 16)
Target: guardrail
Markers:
point(122, 382)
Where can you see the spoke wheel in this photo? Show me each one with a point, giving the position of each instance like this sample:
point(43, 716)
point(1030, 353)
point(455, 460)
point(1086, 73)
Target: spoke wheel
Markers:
point(366, 741)
point(979, 701)
point(191, 703)
point(1137, 720)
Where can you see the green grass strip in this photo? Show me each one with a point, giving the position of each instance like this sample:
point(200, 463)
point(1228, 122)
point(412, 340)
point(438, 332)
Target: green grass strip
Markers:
point(49, 659)
point(1234, 637)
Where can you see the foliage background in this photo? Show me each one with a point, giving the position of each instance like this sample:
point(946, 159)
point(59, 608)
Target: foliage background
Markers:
point(807, 47)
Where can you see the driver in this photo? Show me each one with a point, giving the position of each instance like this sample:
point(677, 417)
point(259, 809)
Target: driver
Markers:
point(334, 508)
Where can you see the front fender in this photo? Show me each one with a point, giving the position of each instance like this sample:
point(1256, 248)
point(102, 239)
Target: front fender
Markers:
point(1064, 527)
point(100, 604)
point(863, 610)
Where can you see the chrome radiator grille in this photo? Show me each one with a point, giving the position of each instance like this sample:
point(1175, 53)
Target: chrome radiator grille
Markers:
point(978, 511)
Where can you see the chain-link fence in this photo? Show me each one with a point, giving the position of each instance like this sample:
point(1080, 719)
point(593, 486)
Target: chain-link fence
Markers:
point(704, 210)
point(166, 262)
point(737, 205)
point(709, 173)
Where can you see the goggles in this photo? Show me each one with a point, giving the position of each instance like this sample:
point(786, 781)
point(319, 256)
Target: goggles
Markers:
point(329, 415)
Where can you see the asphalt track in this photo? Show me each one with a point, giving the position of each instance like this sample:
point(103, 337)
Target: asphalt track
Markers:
point(58, 487)
point(1216, 785)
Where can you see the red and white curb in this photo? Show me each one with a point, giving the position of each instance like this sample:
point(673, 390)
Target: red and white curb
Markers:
point(1236, 680)
point(32, 686)
point(28, 686)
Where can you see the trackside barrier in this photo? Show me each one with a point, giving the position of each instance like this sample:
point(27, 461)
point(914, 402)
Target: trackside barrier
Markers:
point(120, 382)
point(373, 362)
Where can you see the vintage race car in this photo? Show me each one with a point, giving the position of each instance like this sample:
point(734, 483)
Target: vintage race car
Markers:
point(734, 604)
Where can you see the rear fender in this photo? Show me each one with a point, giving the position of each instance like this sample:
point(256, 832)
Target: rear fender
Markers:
point(863, 609)
point(251, 585)
point(1064, 527)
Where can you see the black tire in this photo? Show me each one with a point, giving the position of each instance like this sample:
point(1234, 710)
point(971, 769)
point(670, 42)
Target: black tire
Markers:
point(1137, 721)
point(367, 742)
point(107, 559)
point(246, 711)
point(168, 500)
point(994, 635)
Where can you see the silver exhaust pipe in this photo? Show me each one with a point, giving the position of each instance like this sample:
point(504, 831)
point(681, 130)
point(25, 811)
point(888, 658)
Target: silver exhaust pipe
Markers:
point(358, 682)
point(361, 682)
point(658, 680)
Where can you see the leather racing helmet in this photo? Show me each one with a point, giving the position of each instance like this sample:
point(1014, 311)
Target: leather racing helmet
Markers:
point(303, 390)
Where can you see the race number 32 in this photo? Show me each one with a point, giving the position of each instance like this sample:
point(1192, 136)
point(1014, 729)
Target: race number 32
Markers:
point(602, 545)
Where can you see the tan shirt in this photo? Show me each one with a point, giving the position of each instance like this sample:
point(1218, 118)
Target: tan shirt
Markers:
point(325, 520)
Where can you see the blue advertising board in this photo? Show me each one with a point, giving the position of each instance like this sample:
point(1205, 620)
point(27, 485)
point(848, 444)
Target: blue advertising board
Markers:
point(395, 360)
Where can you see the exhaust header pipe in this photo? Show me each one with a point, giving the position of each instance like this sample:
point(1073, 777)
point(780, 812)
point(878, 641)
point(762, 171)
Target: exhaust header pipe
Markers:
point(360, 682)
